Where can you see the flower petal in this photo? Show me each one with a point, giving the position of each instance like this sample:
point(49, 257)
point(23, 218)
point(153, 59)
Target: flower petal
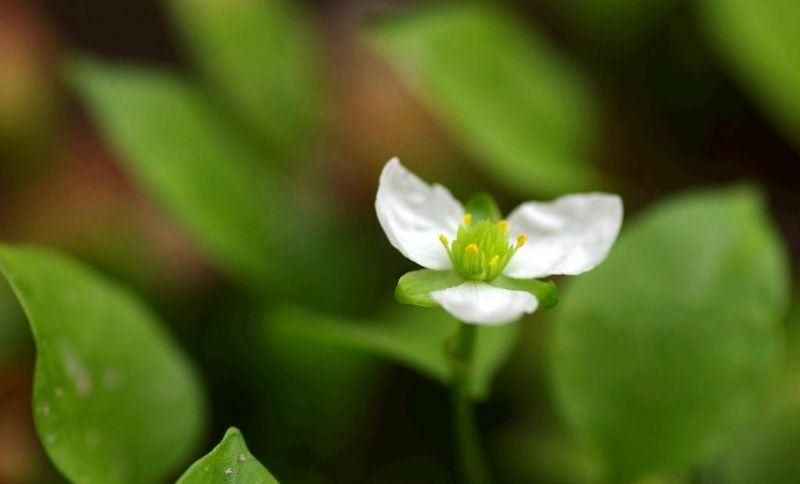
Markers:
point(569, 235)
point(413, 214)
point(482, 303)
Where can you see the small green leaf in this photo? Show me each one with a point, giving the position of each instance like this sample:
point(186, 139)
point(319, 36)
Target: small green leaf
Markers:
point(230, 461)
point(523, 110)
point(483, 207)
point(665, 350)
point(415, 287)
point(411, 337)
point(115, 400)
point(264, 60)
point(759, 40)
point(544, 291)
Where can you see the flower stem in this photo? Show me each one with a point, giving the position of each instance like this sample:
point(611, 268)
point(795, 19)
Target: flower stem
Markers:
point(460, 350)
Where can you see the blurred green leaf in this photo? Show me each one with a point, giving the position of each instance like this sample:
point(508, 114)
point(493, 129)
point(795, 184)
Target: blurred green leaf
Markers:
point(411, 337)
point(177, 147)
point(317, 394)
point(522, 109)
point(229, 461)
point(115, 400)
point(415, 287)
point(767, 448)
point(262, 57)
point(768, 452)
point(759, 41)
point(668, 347)
point(183, 152)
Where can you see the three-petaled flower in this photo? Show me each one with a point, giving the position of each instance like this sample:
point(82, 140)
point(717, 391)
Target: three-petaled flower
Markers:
point(483, 270)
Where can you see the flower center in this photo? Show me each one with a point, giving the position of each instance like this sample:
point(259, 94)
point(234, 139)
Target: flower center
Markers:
point(481, 250)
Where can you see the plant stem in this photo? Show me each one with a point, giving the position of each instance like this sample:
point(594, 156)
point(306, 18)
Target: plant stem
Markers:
point(460, 351)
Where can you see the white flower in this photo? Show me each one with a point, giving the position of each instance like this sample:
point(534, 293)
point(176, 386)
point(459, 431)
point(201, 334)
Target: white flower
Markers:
point(483, 266)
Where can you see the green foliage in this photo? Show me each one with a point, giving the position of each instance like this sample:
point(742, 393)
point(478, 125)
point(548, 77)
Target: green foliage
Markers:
point(230, 461)
point(522, 109)
point(115, 400)
point(409, 337)
point(262, 57)
point(208, 177)
point(759, 40)
point(190, 160)
point(668, 347)
point(766, 451)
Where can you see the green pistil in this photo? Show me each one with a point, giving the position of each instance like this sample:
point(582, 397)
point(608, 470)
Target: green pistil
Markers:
point(481, 250)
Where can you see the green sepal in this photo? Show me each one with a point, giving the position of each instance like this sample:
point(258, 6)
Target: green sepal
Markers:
point(544, 291)
point(415, 287)
point(482, 206)
point(229, 461)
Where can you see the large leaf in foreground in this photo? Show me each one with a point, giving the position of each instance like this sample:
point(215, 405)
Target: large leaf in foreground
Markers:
point(759, 41)
point(262, 56)
point(668, 347)
point(409, 336)
point(230, 461)
point(523, 110)
point(115, 400)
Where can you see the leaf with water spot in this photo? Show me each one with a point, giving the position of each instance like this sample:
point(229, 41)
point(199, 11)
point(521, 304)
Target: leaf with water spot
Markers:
point(230, 461)
point(115, 400)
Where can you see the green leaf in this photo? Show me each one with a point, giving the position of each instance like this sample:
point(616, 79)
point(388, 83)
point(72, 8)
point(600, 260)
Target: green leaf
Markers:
point(175, 145)
point(766, 450)
point(230, 461)
point(410, 337)
point(668, 347)
point(115, 400)
point(523, 110)
point(178, 147)
point(484, 207)
point(262, 57)
point(415, 287)
point(545, 291)
point(759, 41)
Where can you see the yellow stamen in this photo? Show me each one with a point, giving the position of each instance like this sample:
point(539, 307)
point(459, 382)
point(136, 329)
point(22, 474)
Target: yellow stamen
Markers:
point(521, 239)
point(467, 219)
point(503, 225)
point(443, 240)
point(472, 249)
point(494, 260)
